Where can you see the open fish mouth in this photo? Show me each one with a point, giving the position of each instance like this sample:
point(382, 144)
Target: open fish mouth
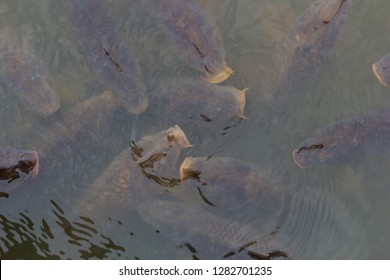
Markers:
point(219, 77)
point(186, 172)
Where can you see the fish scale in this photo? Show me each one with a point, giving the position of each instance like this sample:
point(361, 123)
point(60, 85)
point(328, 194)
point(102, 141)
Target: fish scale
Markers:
point(109, 55)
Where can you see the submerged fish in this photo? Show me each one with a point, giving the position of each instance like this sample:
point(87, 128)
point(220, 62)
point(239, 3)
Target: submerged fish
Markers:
point(145, 169)
point(137, 173)
point(25, 75)
point(197, 101)
point(381, 70)
point(194, 36)
point(206, 235)
point(313, 225)
point(90, 117)
point(108, 52)
point(343, 141)
point(14, 161)
point(232, 184)
point(274, 208)
point(74, 135)
point(302, 53)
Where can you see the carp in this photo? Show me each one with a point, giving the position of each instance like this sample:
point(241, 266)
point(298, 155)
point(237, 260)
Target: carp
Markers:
point(345, 140)
point(108, 53)
point(194, 36)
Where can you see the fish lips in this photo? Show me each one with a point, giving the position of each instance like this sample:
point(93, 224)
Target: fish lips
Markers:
point(219, 77)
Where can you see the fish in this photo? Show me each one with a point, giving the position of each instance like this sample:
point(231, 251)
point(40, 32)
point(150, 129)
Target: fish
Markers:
point(345, 140)
point(25, 75)
point(108, 53)
point(142, 170)
point(232, 184)
point(206, 235)
point(193, 35)
point(300, 56)
point(278, 209)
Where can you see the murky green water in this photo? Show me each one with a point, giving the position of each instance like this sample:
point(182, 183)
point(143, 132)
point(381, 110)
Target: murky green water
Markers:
point(336, 211)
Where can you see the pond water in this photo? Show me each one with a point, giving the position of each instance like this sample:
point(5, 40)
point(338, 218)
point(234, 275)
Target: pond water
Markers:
point(336, 212)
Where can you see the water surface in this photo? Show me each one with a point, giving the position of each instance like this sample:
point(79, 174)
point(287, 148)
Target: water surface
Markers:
point(335, 211)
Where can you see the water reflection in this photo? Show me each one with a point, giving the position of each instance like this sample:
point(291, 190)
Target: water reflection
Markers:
point(19, 240)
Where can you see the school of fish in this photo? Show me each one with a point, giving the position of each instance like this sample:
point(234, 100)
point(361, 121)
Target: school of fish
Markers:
point(186, 200)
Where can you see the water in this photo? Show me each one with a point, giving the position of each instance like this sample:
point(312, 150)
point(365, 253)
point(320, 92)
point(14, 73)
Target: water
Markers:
point(335, 211)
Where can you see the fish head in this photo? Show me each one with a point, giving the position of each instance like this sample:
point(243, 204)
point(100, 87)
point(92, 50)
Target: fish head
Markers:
point(176, 137)
point(25, 160)
point(319, 25)
point(310, 155)
point(336, 143)
point(232, 103)
point(157, 154)
point(215, 68)
point(209, 54)
point(221, 103)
